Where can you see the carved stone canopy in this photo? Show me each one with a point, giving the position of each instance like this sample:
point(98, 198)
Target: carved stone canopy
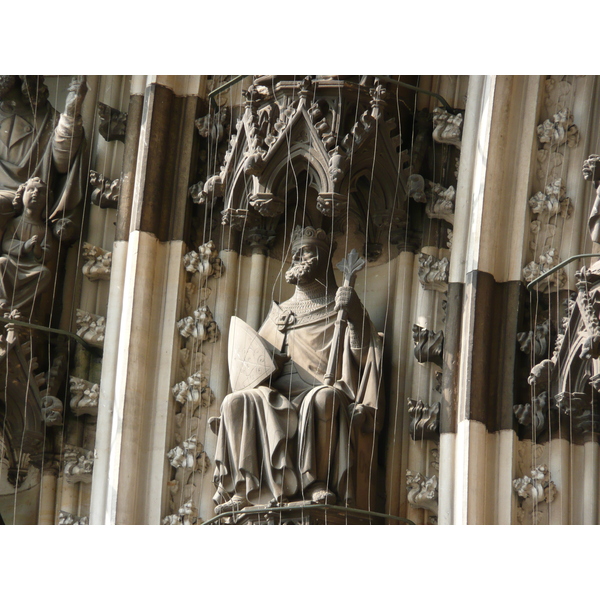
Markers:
point(328, 148)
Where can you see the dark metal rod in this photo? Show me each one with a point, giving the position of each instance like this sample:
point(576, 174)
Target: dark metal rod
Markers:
point(356, 511)
point(78, 339)
point(222, 88)
point(417, 89)
point(558, 266)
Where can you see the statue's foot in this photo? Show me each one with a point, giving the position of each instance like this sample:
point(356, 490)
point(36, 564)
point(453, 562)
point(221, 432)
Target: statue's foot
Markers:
point(237, 502)
point(320, 493)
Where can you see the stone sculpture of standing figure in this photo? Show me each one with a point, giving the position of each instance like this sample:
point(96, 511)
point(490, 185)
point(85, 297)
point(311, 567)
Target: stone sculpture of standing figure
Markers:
point(292, 436)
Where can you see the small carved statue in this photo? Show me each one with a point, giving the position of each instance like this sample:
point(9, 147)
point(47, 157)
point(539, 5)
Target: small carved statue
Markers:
point(27, 245)
point(591, 173)
point(294, 434)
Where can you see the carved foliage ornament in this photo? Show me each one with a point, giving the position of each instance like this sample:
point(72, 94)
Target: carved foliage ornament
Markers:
point(98, 262)
point(433, 272)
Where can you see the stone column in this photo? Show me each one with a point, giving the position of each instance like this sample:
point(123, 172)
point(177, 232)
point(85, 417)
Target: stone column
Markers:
point(129, 480)
point(397, 434)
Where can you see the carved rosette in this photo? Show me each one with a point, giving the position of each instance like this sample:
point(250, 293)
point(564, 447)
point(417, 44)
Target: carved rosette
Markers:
point(90, 327)
point(78, 464)
point(84, 396)
point(98, 262)
point(433, 272)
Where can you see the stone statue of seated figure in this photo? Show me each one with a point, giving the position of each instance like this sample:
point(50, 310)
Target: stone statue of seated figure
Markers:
point(27, 244)
point(293, 436)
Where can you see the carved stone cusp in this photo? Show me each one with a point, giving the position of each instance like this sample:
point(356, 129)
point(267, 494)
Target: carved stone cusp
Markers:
point(90, 327)
point(105, 192)
point(84, 396)
point(447, 127)
point(113, 123)
point(98, 262)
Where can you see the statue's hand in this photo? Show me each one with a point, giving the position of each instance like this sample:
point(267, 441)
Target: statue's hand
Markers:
point(347, 299)
point(30, 243)
point(76, 96)
point(361, 416)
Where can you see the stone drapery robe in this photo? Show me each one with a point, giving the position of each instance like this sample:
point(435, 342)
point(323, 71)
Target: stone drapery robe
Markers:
point(266, 443)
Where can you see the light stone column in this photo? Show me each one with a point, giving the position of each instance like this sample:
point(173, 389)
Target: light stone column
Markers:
point(401, 355)
point(47, 508)
point(257, 283)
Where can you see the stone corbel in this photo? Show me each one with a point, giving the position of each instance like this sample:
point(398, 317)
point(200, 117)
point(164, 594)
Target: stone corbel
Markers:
point(67, 518)
point(433, 272)
point(90, 327)
point(428, 345)
point(84, 396)
point(332, 204)
point(447, 127)
point(189, 455)
point(266, 204)
point(113, 123)
point(240, 218)
point(425, 420)
point(105, 192)
point(194, 391)
point(422, 491)
point(98, 262)
point(78, 464)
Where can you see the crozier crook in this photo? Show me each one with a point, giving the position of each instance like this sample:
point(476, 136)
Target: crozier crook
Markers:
point(349, 266)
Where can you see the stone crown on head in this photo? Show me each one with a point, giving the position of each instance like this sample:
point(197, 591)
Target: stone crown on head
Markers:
point(308, 235)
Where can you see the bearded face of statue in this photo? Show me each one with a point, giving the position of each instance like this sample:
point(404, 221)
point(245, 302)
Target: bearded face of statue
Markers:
point(305, 266)
point(7, 83)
